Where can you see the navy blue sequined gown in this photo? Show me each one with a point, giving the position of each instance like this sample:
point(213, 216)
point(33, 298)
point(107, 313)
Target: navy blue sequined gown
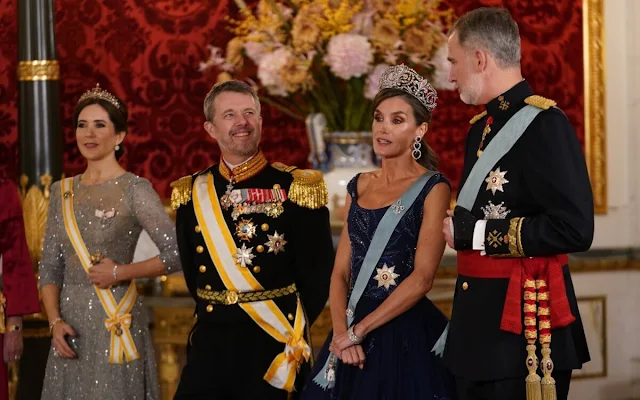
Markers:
point(399, 364)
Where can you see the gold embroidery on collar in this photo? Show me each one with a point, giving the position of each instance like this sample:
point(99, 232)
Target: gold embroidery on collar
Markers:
point(245, 170)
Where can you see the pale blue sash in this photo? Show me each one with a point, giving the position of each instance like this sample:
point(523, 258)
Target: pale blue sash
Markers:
point(496, 149)
point(381, 237)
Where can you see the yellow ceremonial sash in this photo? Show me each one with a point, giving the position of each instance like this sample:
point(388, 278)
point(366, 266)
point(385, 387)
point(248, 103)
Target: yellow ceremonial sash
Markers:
point(282, 371)
point(119, 315)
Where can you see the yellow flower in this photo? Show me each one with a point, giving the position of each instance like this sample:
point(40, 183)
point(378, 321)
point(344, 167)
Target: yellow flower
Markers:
point(410, 8)
point(337, 20)
point(384, 6)
point(305, 33)
point(385, 34)
point(234, 52)
point(312, 10)
point(295, 75)
point(419, 42)
point(224, 76)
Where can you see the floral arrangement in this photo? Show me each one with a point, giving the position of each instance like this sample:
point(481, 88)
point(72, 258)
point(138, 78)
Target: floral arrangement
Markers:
point(327, 56)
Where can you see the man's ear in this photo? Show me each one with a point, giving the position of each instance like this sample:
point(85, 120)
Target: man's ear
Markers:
point(210, 128)
point(480, 60)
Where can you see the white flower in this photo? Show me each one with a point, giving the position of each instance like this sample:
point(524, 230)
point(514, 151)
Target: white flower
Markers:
point(269, 71)
point(373, 81)
point(442, 67)
point(255, 51)
point(349, 55)
point(215, 59)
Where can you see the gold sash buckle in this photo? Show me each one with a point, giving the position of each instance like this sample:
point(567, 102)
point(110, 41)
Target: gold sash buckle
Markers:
point(231, 297)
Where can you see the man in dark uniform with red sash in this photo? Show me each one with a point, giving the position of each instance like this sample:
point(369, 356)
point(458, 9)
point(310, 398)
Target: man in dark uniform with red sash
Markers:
point(256, 250)
point(525, 201)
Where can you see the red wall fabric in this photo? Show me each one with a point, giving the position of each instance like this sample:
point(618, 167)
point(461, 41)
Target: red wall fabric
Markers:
point(148, 51)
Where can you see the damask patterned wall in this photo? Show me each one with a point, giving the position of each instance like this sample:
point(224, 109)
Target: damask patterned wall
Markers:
point(148, 51)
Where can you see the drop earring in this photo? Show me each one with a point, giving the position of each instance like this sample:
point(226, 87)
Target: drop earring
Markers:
point(417, 145)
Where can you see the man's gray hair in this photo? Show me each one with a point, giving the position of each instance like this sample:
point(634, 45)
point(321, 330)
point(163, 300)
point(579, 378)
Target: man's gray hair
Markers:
point(493, 30)
point(227, 86)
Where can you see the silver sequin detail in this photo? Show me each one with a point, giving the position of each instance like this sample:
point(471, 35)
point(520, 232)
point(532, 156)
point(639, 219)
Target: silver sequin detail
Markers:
point(137, 207)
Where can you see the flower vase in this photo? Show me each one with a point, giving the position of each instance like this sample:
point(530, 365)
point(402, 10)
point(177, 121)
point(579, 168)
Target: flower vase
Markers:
point(341, 156)
point(350, 153)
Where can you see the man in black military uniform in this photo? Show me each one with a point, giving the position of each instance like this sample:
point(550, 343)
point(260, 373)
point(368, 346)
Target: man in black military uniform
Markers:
point(530, 207)
point(257, 253)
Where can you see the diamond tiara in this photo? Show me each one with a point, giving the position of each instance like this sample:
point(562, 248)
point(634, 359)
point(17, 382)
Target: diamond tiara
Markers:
point(406, 79)
point(97, 93)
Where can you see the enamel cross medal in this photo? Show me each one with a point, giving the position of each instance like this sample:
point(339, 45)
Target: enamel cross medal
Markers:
point(225, 200)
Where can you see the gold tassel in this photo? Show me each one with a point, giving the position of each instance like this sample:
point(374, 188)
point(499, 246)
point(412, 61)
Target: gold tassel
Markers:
point(548, 383)
point(544, 327)
point(531, 334)
point(533, 379)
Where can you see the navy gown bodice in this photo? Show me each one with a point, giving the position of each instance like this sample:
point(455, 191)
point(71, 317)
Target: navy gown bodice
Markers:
point(399, 363)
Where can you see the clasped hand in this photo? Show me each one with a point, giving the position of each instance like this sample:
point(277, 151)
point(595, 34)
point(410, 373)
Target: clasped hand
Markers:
point(101, 274)
point(343, 348)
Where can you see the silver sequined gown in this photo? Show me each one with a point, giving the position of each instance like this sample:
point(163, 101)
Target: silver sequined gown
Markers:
point(137, 207)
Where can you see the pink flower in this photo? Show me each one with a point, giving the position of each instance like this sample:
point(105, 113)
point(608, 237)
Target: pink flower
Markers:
point(215, 60)
point(373, 81)
point(255, 51)
point(269, 71)
point(349, 55)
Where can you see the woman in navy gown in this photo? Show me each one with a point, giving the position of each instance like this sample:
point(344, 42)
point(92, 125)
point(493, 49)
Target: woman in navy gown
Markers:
point(381, 345)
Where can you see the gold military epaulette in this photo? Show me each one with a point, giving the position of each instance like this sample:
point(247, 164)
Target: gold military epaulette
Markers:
point(478, 117)
point(181, 193)
point(308, 189)
point(540, 102)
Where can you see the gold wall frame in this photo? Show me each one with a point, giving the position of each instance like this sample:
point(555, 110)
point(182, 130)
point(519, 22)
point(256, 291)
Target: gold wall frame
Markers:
point(594, 100)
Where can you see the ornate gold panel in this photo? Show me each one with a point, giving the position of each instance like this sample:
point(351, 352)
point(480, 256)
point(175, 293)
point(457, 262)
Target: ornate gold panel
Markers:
point(594, 100)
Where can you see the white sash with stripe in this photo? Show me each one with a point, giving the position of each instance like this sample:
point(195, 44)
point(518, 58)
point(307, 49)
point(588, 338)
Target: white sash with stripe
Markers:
point(119, 315)
point(221, 246)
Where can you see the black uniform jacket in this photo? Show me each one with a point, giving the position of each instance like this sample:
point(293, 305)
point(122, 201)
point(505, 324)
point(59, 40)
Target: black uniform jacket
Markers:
point(293, 247)
point(540, 190)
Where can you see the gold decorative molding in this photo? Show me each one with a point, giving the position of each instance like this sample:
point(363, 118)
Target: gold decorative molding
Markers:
point(594, 100)
point(174, 285)
point(320, 329)
point(35, 203)
point(602, 302)
point(38, 70)
point(171, 326)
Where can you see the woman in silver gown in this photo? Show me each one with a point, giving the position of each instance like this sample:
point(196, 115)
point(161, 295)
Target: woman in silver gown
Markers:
point(99, 351)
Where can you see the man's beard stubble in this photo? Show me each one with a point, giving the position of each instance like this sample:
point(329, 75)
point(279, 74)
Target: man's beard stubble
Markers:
point(471, 93)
